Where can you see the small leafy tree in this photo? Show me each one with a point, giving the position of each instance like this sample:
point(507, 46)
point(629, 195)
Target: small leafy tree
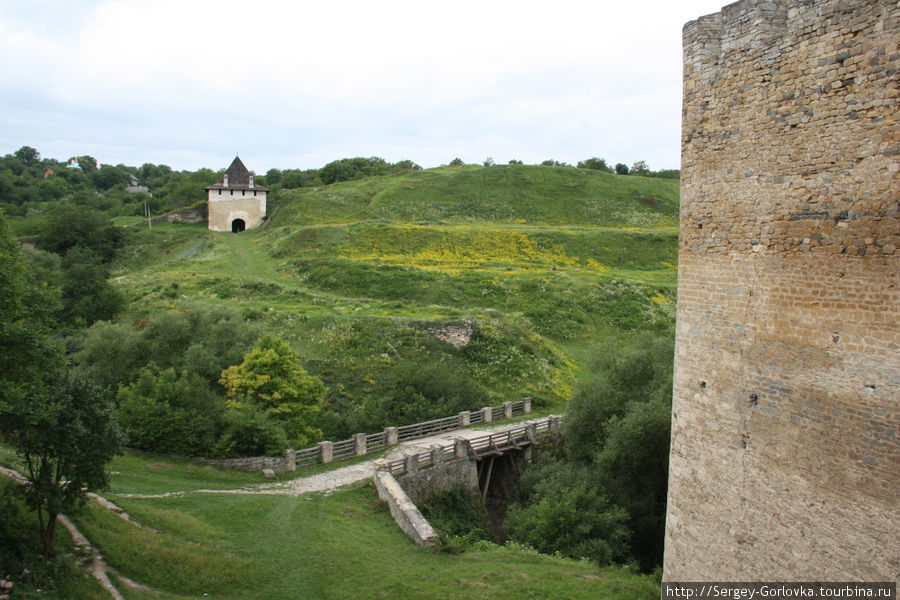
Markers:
point(564, 510)
point(273, 176)
point(597, 164)
point(406, 165)
point(640, 167)
point(66, 432)
point(272, 379)
point(87, 296)
point(250, 431)
point(87, 163)
point(621, 169)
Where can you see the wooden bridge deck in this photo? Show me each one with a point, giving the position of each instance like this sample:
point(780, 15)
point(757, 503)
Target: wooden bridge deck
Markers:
point(492, 444)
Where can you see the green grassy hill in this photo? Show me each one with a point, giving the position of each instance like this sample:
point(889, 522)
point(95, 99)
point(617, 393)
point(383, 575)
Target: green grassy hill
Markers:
point(541, 263)
point(545, 261)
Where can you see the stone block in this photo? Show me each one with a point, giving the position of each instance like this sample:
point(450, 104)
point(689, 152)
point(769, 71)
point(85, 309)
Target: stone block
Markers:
point(326, 452)
point(391, 436)
point(359, 444)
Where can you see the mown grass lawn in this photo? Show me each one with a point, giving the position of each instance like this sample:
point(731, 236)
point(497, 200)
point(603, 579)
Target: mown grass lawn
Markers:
point(339, 545)
point(343, 545)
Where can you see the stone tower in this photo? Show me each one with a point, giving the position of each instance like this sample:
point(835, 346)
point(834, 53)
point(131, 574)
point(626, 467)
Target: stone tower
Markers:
point(785, 458)
point(236, 203)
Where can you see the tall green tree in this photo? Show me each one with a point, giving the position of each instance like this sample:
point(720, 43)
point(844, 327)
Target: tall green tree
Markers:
point(66, 432)
point(272, 378)
point(87, 163)
point(26, 309)
point(163, 411)
point(86, 294)
point(27, 154)
point(598, 164)
point(61, 425)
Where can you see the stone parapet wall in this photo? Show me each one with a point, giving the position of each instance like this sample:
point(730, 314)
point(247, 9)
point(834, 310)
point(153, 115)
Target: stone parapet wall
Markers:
point(404, 511)
point(277, 464)
point(425, 483)
point(785, 460)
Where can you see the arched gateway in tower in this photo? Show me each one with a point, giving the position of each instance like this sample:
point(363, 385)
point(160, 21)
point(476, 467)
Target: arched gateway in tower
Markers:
point(236, 203)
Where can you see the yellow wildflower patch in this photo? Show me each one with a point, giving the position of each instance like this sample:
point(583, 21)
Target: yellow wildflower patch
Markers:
point(659, 299)
point(453, 248)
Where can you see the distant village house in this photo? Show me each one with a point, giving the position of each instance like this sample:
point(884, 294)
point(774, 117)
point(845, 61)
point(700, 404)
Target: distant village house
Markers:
point(236, 203)
point(133, 187)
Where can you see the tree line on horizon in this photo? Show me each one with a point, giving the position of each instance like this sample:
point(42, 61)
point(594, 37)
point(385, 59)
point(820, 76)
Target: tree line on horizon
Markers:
point(29, 182)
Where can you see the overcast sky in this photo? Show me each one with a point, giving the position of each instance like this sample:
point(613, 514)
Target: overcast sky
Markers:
point(297, 84)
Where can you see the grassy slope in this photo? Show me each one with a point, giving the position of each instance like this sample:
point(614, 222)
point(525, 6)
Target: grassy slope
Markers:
point(340, 546)
point(546, 260)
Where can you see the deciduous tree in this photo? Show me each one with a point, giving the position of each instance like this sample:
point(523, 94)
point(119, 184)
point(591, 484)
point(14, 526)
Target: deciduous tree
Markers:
point(25, 311)
point(598, 164)
point(640, 167)
point(272, 378)
point(67, 433)
point(61, 425)
point(27, 154)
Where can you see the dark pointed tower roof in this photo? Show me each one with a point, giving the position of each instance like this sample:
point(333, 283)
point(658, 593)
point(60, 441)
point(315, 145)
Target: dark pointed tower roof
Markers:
point(237, 177)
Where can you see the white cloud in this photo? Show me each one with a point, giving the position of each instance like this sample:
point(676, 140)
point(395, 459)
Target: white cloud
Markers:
point(195, 80)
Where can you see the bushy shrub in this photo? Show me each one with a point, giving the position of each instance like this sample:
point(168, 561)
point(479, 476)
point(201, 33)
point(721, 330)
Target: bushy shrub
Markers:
point(250, 431)
point(458, 512)
point(162, 412)
point(197, 338)
point(562, 510)
point(605, 497)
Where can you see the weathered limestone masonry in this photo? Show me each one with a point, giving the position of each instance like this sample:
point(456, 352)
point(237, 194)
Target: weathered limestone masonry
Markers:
point(785, 460)
point(237, 202)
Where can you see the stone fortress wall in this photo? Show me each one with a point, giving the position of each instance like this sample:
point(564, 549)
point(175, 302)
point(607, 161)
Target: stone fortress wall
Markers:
point(225, 208)
point(785, 457)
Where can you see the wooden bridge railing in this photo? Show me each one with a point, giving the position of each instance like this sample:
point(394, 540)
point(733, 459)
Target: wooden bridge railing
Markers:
point(500, 442)
point(362, 443)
